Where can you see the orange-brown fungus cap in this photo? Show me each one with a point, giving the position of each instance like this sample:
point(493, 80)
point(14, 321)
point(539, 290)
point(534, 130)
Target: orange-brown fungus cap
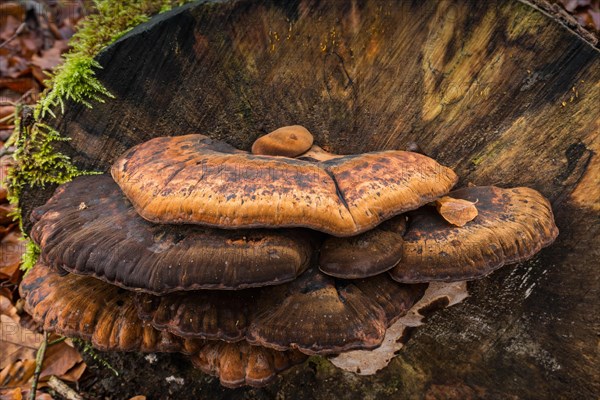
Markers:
point(319, 315)
point(367, 254)
point(288, 141)
point(239, 364)
point(512, 225)
point(90, 309)
point(175, 180)
point(89, 227)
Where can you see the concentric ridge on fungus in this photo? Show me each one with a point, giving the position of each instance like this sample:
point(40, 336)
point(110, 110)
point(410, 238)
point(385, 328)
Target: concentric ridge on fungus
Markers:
point(86, 308)
point(182, 180)
point(512, 225)
point(315, 313)
point(89, 227)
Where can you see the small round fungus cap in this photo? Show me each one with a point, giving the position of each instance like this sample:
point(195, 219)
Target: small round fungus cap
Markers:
point(175, 180)
point(367, 254)
point(239, 364)
point(319, 315)
point(287, 141)
point(86, 308)
point(315, 313)
point(89, 227)
point(512, 225)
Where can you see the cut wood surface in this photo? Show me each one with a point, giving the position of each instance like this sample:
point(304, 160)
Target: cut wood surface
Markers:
point(496, 90)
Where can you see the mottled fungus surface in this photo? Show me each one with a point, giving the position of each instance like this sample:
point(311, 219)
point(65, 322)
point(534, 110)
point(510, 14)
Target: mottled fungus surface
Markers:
point(512, 225)
point(173, 180)
point(364, 255)
point(89, 227)
point(287, 141)
point(319, 315)
point(86, 308)
point(239, 364)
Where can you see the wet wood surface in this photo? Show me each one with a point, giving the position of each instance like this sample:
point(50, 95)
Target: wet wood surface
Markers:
point(496, 90)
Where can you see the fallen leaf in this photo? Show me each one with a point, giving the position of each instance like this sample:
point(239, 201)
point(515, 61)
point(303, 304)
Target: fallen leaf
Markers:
point(7, 308)
point(456, 211)
point(12, 247)
point(17, 374)
point(17, 343)
point(52, 57)
point(20, 394)
point(6, 211)
point(60, 358)
point(368, 362)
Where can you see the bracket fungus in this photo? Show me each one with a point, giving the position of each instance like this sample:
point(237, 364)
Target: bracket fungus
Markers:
point(175, 180)
point(89, 309)
point(106, 315)
point(107, 239)
point(364, 255)
point(315, 314)
point(512, 225)
point(238, 364)
point(287, 141)
point(187, 217)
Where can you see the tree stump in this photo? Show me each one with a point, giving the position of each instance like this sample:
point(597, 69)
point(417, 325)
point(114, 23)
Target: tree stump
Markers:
point(496, 90)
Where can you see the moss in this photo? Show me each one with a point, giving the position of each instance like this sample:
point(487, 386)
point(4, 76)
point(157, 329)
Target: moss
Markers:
point(37, 161)
point(32, 252)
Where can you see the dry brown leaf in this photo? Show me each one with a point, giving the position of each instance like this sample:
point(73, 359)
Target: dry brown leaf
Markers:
point(456, 211)
point(6, 211)
point(17, 374)
point(60, 358)
point(17, 343)
point(12, 248)
point(140, 397)
point(74, 374)
point(20, 394)
point(7, 308)
point(52, 57)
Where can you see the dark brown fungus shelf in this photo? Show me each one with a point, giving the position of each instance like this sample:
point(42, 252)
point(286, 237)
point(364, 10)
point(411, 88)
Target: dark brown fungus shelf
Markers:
point(512, 225)
point(315, 314)
point(364, 255)
point(89, 227)
point(173, 180)
point(86, 308)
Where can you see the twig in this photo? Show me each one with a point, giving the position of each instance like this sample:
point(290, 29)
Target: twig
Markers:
point(14, 35)
point(39, 360)
point(63, 389)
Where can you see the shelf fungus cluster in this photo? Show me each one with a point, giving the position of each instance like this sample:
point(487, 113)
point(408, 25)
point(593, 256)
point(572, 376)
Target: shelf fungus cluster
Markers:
point(249, 262)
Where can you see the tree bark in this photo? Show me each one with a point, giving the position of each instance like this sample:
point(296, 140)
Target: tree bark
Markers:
point(496, 90)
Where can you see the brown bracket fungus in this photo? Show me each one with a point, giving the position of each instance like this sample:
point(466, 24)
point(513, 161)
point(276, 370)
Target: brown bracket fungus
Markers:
point(319, 315)
point(206, 314)
point(174, 180)
point(86, 308)
point(107, 239)
point(315, 314)
point(287, 141)
point(364, 255)
point(239, 364)
point(512, 225)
